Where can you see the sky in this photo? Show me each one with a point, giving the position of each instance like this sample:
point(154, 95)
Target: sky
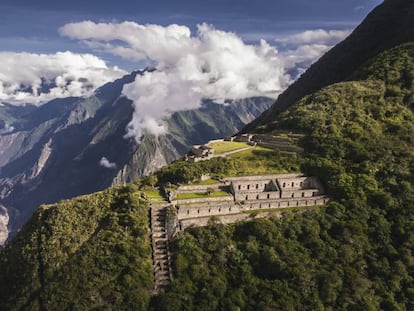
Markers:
point(218, 49)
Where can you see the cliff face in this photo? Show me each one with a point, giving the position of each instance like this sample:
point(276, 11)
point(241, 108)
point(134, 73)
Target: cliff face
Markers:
point(55, 151)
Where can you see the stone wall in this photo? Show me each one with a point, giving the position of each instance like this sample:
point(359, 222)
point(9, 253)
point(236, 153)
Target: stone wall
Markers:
point(202, 200)
point(300, 193)
point(225, 219)
point(298, 182)
point(248, 196)
point(253, 185)
point(198, 188)
point(204, 210)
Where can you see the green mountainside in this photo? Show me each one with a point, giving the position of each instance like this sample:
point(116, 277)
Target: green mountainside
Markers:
point(91, 252)
point(387, 26)
point(356, 253)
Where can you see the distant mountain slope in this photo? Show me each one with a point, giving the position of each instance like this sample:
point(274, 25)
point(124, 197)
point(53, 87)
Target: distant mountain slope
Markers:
point(389, 25)
point(54, 151)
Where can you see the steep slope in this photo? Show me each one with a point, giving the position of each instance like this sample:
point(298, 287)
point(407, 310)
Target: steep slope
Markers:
point(97, 245)
point(389, 25)
point(357, 254)
point(55, 151)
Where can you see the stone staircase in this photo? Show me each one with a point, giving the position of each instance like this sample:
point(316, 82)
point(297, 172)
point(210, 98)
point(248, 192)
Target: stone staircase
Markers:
point(161, 257)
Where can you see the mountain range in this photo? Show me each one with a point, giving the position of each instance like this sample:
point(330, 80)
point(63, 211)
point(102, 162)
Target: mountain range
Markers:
point(354, 109)
point(74, 146)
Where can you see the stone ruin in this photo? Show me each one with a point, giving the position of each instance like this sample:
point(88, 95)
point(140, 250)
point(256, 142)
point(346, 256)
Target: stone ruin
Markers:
point(248, 197)
point(249, 193)
point(200, 153)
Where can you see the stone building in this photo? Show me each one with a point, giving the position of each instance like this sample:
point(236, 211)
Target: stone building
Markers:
point(245, 138)
point(247, 193)
point(200, 153)
point(202, 150)
point(275, 187)
point(255, 189)
point(299, 187)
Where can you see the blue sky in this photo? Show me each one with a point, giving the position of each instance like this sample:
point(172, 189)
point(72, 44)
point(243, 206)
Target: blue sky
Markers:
point(31, 26)
point(202, 49)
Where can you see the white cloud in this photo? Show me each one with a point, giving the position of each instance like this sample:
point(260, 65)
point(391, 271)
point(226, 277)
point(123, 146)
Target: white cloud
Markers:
point(300, 59)
point(38, 78)
point(6, 129)
point(209, 64)
point(317, 36)
point(106, 163)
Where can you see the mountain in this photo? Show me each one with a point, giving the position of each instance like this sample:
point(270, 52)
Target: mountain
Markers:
point(387, 26)
point(54, 151)
point(81, 237)
point(356, 253)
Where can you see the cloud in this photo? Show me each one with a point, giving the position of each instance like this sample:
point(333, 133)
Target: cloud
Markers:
point(6, 129)
point(106, 163)
point(317, 36)
point(300, 59)
point(38, 78)
point(210, 63)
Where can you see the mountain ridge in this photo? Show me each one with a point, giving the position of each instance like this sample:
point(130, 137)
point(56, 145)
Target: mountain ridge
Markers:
point(388, 25)
point(54, 151)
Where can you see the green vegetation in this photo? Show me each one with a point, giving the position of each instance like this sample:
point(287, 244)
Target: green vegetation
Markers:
point(355, 254)
point(388, 26)
point(198, 195)
point(227, 146)
point(154, 194)
point(205, 182)
point(257, 160)
point(92, 252)
point(250, 153)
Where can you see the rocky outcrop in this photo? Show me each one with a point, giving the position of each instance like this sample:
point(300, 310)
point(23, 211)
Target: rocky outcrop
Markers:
point(4, 221)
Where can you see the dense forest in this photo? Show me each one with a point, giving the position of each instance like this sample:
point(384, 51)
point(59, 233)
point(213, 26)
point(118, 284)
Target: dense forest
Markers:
point(355, 254)
point(92, 252)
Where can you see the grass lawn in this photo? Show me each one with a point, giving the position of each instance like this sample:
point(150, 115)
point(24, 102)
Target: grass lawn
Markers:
point(259, 160)
point(205, 182)
point(154, 194)
point(249, 153)
point(199, 195)
point(226, 146)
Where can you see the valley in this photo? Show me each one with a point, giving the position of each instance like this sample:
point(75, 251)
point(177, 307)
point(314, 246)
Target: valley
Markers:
point(310, 206)
point(54, 151)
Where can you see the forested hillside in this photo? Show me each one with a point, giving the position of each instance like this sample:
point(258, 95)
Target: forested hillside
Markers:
point(92, 252)
point(355, 254)
point(387, 26)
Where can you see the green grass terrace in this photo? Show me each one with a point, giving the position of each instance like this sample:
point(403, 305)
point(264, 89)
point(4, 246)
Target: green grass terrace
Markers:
point(205, 182)
point(200, 195)
point(227, 146)
point(155, 195)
